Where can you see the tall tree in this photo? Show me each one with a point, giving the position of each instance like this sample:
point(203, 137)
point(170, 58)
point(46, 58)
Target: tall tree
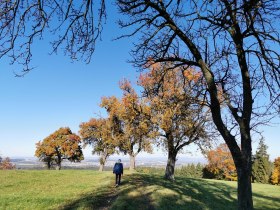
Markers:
point(98, 134)
point(130, 117)
point(234, 44)
point(275, 177)
point(262, 167)
point(177, 108)
point(61, 144)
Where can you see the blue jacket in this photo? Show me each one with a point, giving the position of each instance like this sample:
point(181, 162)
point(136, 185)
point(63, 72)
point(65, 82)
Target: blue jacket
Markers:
point(118, 168)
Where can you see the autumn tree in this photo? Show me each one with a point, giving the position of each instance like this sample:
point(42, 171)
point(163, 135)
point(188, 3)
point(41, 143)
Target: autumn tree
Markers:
point(97, 133)
point(275, 177)
point(60, 145)
point(220, 164)
point(262, 167)
point(177, 108)
point(130, 117)
point(235, 46)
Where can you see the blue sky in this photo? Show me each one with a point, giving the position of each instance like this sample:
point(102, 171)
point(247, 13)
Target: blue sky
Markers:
point(61, 93)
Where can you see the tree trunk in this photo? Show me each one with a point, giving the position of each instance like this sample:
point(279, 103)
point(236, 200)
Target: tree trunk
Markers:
point(244, 172)
point(103, 159)
point(58, 160)
point(58, 165)
point(101, 167)
point(49, 165)
point(245, 201)
point(132, 162)
point(170, 167)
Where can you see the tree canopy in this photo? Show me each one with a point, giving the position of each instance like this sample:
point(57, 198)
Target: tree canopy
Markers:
point(178, 112)
point(61, 144)
point(97, 133)
point(131, 125)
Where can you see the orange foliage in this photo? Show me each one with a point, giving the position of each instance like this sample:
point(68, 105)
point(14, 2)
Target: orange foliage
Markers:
point(220, 162)
point(173, 94)
point(129, 117)
point(275, 177)
point(62, 144)
point(6, 164)
point(98, 134)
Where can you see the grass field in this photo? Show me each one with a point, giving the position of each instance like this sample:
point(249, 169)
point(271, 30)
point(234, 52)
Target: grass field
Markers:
point(84, 189)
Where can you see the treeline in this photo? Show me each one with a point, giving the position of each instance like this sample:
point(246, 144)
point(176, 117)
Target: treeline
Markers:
point(220, 166)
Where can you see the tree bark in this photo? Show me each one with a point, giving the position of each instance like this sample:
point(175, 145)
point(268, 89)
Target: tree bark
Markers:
point(244, 171)
point(49, 165)
point(102, 160)
point(132, 162)
point(245, 201)
point(101, 167)
point(58, 165)
point(170, 167)
point(59, 159)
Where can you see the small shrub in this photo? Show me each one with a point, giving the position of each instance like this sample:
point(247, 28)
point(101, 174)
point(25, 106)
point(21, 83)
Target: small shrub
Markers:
point(6, 164)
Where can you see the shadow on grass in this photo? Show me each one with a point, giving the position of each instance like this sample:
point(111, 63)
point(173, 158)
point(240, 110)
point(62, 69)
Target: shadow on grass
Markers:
point(266, 202)
point(153, 192)
point(149, 192)
point(99, 198)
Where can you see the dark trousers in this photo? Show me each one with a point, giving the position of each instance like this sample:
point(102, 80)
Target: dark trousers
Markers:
point(118, 178)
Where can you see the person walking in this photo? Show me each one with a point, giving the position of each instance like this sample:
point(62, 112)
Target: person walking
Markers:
point(118, 170)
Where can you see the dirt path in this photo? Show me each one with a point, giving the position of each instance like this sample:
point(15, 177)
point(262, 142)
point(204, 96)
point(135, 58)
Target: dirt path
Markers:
point(112, 195)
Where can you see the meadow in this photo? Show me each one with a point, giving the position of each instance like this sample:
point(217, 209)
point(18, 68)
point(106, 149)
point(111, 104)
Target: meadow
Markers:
point(88, 189)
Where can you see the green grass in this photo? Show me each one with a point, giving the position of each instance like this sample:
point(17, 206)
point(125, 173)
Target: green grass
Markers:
point(84, 189)
point(53, 189)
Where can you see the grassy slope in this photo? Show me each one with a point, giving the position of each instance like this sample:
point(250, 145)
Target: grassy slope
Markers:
point(73, 189)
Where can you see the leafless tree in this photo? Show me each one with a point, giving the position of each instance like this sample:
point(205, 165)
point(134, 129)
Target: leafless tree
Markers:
point(235, 44)
point(75, 26)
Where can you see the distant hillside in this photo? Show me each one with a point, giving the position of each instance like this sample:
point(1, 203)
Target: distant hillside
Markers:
point(93, 162)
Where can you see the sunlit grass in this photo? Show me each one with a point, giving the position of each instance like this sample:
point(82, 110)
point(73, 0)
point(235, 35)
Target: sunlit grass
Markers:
point(50, 189)
point(87, 189)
